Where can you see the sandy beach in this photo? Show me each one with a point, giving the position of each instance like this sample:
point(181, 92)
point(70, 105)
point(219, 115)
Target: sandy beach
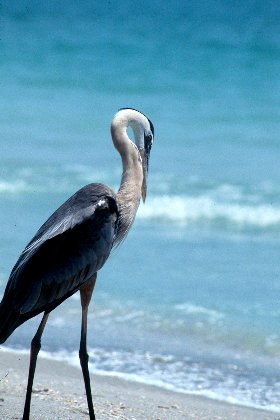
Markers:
point(59, 394)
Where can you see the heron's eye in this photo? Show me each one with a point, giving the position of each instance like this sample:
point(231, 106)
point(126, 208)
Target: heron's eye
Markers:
point(148, 142)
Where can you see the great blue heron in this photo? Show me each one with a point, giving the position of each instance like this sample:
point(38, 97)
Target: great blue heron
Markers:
point(74, 243)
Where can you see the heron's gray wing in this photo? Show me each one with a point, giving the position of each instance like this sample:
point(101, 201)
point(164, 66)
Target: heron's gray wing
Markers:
point(69, 248)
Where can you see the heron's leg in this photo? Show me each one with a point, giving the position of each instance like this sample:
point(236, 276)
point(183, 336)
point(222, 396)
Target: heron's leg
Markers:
point(86, 292)
point(35, 348)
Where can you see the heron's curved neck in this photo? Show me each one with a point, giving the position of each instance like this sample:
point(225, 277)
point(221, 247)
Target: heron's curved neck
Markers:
point(132, 175)
point(129, 192)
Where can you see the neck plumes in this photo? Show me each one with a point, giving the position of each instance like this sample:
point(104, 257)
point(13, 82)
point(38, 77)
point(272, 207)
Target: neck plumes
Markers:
point(129, 193)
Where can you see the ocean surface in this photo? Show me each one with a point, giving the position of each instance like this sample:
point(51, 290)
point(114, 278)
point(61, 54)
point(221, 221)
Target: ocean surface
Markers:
point(191, 300)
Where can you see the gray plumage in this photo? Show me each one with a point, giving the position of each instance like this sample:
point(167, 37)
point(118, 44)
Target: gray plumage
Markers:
point(70, 248)
point(67, 250)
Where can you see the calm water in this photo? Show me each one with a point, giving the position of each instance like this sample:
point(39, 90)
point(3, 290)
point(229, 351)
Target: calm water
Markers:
point(191, 301)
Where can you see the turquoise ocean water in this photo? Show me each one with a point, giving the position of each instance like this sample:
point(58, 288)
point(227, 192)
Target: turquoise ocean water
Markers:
point(191, 300)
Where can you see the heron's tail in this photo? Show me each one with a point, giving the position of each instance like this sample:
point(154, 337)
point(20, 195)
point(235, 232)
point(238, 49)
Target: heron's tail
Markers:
point(8, 321)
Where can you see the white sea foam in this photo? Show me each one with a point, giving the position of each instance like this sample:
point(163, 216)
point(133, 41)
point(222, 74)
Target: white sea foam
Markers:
point(194, 203)
point(189, 308)
point(17, 186)
point(57, 321)
point(206, 209)
point(234, 385)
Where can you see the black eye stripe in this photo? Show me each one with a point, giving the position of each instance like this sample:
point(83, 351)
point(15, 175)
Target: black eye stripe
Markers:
point(152, 127)
point(148, 141)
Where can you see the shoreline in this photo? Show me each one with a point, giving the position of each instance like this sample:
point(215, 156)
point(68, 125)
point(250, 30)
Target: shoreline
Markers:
point(58, 393)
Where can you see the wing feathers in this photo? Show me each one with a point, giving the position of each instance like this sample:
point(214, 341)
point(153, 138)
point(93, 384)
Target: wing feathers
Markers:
point(67, 250)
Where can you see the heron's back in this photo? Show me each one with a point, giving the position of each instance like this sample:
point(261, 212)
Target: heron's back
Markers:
point(66, 251)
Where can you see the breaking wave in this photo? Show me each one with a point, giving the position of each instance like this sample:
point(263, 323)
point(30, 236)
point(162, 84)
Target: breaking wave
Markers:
point(206, 210)
point(192, 203)
point(17, 186)
point(228, 382)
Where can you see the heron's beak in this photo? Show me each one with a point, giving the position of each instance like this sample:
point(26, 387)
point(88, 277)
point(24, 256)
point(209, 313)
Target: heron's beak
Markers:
point(145, 164)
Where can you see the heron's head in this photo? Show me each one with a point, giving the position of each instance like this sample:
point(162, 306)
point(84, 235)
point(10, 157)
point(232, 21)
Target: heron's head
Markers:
point(143, 130)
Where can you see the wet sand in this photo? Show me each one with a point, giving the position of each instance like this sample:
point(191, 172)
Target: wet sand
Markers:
point(59, 394)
